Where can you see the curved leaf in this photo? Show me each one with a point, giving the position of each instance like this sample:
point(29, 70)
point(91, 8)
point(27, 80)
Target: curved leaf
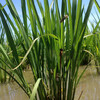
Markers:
point(34, 91)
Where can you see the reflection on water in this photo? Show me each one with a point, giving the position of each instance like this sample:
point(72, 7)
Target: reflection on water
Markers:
point(89, 84)
point(12, 91)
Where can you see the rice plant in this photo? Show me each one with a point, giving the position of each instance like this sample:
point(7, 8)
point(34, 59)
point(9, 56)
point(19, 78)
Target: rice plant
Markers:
point(53, 46)
point(96, 40)
point(3, 75)
point(97, 5)
point(93, 41)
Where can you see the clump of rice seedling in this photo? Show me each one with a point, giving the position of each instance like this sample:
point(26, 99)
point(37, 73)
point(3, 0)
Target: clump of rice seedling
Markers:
point(53, 46)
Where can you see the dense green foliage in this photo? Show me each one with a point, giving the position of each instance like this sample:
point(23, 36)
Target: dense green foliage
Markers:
point(54, 46)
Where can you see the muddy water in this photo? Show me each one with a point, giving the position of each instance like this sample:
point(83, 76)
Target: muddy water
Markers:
point(11, 91)
point(89, 86)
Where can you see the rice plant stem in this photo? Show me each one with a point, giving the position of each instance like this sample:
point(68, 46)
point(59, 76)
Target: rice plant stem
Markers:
point(80, 95)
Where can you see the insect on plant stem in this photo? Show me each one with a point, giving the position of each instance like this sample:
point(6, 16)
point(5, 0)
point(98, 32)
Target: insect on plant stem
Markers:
point(66, 16)
point(61, 52)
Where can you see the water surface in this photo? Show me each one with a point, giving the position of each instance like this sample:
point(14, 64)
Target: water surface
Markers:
point(89, 85)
